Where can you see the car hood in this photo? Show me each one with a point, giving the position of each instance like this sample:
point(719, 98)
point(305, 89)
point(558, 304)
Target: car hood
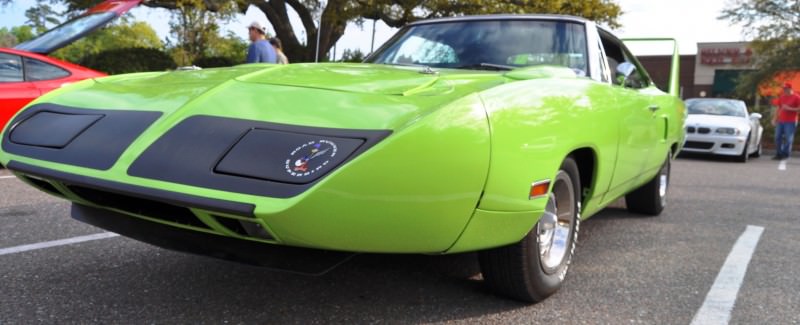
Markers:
point(78, 27)
point(716, 120)
point(334, 95)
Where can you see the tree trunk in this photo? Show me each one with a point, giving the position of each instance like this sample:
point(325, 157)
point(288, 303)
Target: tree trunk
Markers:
point(297, 50)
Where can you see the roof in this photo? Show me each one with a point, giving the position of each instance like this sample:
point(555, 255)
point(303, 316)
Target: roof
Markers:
point(500, 17)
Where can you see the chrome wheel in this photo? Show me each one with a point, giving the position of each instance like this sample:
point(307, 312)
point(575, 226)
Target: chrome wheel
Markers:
point(555, 226)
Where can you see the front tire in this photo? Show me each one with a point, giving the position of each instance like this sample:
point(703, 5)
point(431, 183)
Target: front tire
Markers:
point(758, 151)
point(742, 158)
point(651, 198)
point(534, 268)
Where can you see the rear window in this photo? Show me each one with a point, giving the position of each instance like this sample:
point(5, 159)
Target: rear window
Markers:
point(36, 70)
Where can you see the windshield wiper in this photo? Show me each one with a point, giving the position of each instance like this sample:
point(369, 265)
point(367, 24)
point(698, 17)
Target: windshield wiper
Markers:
point(487, 66)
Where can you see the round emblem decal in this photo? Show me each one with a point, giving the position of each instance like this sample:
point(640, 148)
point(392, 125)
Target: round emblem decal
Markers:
point(310, 157)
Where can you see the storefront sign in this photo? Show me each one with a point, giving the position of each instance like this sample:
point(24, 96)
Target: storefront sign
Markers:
point(726, 56)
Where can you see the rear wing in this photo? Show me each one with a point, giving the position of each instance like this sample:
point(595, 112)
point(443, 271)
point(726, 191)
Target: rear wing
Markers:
point(675, 66)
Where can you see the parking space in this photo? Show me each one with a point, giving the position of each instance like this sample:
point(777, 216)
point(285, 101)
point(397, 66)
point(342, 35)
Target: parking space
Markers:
point(628, 268)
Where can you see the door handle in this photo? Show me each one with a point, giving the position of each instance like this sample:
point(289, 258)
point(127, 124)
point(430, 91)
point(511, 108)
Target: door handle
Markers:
point(653, 108)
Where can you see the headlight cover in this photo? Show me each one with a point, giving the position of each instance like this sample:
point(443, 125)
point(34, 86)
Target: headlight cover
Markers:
point(286, 156)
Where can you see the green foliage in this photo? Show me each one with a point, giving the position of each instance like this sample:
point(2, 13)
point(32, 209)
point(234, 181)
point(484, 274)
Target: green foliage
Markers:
point(772, 24)
point(7, 39)
point(196, 30)
point(126, 60)
point(354, 55)
point(119, 36)
point(16, 35)
point(230, 46)
point(23, 33)
point(215, 62)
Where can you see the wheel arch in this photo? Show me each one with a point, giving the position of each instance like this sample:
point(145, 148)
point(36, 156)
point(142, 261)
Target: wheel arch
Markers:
point(586, 159)
point(673, 150)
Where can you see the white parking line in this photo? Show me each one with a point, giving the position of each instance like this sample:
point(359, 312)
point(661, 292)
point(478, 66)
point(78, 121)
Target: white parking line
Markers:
point(782, 165)
point(4, 177)
point(719, 302)
point(60, 242)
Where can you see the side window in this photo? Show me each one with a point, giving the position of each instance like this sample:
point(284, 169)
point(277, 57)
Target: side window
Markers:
point(10, 68)
point(639, 78)
point(617, 54)
point(36, 70)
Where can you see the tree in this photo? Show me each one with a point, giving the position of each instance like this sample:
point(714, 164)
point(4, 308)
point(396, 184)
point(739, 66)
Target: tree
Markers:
point(7, 39)
point(353, 55)
point(772, 24)
point(40, 15)
point(23, 33)
point(15, 35)
point(195, 26)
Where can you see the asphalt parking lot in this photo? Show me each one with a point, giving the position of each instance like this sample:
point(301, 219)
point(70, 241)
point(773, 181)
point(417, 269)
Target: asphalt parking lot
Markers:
point(628, 269)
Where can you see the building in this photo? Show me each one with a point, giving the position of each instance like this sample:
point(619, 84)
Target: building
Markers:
point(712, 72)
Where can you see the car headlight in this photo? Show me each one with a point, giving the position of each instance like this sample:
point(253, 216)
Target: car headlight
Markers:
point(729, 131)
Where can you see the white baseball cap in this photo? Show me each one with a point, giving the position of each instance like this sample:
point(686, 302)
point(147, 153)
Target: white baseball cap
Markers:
point(257, 26)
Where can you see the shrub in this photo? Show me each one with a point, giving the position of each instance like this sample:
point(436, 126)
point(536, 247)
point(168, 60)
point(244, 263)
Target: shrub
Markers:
point(215, 62)
point(128, 60)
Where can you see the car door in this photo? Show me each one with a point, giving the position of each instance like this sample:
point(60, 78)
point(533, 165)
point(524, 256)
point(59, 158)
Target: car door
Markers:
point(639, 127)
point(15, 91)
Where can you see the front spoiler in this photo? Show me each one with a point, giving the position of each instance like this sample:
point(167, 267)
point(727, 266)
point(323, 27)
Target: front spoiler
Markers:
point(285, 258)
point(179, 199)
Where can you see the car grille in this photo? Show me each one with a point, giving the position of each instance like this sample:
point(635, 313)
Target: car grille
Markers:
point(701, 130)
point(698, 145)
point(138, 206)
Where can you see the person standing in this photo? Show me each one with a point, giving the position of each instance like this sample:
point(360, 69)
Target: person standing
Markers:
point(276, 43)
point(785, 121)
point(260, 49)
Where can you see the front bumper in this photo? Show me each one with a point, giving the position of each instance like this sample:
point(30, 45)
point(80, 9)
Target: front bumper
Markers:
point(414, 192)
point(727, 145)
point(294, 259)
point(231, 230)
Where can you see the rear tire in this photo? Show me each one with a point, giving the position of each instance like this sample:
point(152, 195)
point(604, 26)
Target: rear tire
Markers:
point(534, 268)
point(651, 198)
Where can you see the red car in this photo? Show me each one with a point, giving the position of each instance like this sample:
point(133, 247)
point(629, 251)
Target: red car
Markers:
point(26, 72)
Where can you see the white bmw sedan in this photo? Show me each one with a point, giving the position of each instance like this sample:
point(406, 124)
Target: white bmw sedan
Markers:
point(722, 127)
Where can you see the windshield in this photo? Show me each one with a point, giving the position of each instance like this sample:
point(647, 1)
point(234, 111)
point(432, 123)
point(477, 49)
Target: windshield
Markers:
point(717, 107)
point(476, 44)
point(66, 33)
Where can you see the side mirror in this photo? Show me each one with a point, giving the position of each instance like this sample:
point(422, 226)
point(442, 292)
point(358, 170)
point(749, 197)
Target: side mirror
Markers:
point(755, 116)
point(624, 71)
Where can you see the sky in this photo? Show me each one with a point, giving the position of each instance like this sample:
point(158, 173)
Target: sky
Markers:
point(689, 21)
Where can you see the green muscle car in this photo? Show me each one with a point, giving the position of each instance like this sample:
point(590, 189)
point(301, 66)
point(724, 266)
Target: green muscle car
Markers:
point(496, 134)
